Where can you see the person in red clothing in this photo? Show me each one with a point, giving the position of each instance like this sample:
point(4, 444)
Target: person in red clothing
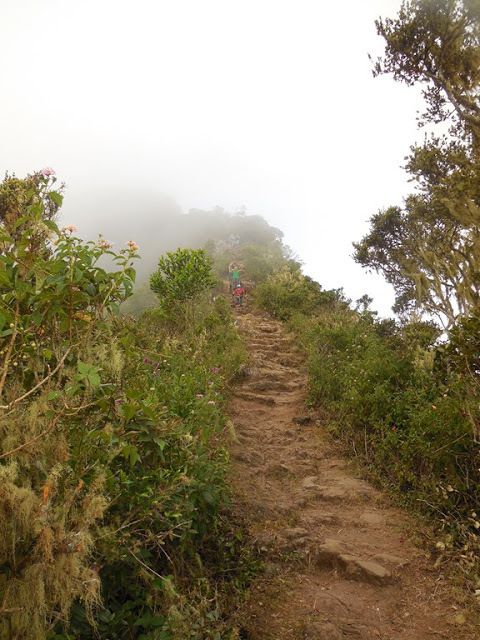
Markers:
point(238, 294)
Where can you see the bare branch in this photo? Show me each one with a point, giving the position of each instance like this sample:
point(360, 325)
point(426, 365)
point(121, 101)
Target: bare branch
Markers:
point(40, 384)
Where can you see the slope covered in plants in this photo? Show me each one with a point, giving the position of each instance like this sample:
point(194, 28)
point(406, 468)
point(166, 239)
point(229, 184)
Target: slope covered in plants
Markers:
point(403, 394)
point(112, 494)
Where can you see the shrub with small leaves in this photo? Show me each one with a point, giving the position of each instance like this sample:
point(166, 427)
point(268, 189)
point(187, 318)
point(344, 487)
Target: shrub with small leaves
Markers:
point(182, 275)
point(56, 302)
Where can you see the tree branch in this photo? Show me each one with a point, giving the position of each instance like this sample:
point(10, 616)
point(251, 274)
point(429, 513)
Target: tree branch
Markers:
point(37, 437)
point(40, 384)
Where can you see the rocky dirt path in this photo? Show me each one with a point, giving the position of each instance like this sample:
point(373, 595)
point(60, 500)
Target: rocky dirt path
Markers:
point(339, 560)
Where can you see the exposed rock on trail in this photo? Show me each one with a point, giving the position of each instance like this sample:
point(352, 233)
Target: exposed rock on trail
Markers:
point(339, 561)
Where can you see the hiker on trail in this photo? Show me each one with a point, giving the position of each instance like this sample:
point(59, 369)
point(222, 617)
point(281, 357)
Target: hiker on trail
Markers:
point(238, 294)
point(234, 273)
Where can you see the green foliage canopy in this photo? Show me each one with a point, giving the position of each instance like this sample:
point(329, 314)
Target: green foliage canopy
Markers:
point(56, 303)
point(182, 275)
point(437, 43)
point(111, 471)
point(429, 250)
point(289, 292)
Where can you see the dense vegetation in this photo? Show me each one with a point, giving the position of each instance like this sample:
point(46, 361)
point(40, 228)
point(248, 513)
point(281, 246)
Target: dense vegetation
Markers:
point(404, 395)
point(112, 496)
point(114, 517)
point(403, 401)
point(429, 249)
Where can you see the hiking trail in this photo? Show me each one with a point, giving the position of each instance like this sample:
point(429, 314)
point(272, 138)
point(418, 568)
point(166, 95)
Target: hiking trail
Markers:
point(339, 559)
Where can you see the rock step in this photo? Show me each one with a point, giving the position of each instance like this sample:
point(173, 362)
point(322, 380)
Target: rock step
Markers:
point(286, 360)
point(273, 356)
point(275, 337)
point(268, 328)
point(270, 339)
point(273, 348)
point(274, 368)
point(272, 385)
point(279, 376)
point(335, 490)
point(332, 553)
point(255, 397)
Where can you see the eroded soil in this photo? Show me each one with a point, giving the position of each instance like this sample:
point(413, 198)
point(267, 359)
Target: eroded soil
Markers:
point(339, 559)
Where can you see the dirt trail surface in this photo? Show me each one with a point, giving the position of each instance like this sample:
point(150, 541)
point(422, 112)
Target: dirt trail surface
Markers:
point(339, 560)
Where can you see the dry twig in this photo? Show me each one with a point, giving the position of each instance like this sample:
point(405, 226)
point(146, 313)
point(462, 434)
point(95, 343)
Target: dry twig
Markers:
point(40, 384)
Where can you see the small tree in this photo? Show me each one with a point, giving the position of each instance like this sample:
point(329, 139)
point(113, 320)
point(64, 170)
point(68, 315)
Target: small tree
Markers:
point(181, 276)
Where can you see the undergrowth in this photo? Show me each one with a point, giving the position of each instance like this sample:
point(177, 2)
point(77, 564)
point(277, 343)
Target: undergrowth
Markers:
point(402, 403)
point(114, 517)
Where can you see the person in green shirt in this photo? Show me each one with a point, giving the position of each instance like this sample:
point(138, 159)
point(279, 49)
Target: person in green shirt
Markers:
point(234, 272)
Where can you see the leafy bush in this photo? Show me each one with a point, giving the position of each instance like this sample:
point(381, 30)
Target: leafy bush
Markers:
point(404, 404)
point(288, 292)
point(55, 305)
point(112, 473)
point(182, 275)
point(164, 534)
point(405, 415)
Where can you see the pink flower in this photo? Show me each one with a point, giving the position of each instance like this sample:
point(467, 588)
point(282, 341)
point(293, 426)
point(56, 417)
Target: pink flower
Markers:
point(70, 228)
point(104, 244)
point(47, 172)
point(133, 246)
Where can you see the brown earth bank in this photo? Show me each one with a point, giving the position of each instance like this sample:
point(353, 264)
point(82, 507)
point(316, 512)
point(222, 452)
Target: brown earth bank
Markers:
point(340, 562)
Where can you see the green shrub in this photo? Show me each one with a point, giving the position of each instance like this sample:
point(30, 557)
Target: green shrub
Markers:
point(163, 534)
point(288, 292)
point(58, 360)
point(112, 472)
point(403, 414)
point(182, 275)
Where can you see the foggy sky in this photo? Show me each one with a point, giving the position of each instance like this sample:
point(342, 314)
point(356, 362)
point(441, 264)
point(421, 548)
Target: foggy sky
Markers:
point(265, 104)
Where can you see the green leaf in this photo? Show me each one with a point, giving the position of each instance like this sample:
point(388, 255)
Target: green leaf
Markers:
point(161, 444)
point(128, 410)
point(56, 198)
point(83, 367)
point(88, 373)
point(149, 412)
point(149, 620)
point(131, 454)
point(94, 379)
point(51, 225)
